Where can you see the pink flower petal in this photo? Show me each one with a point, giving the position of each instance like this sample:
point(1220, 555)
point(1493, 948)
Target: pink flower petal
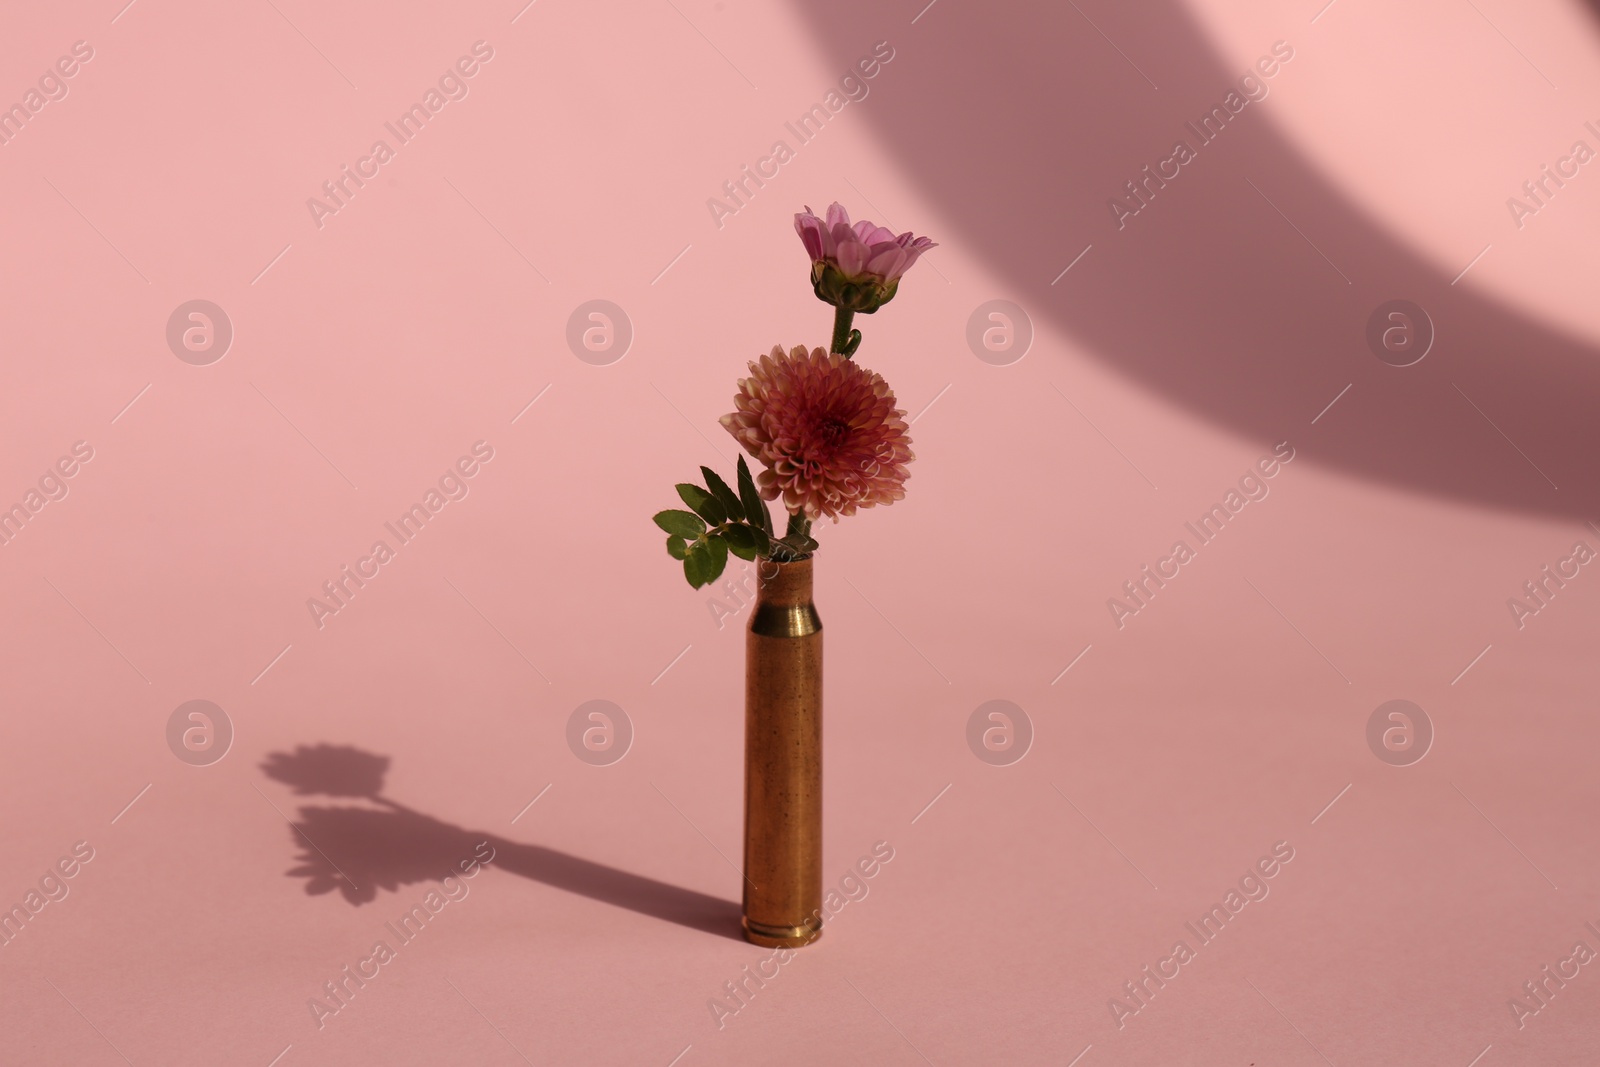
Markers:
point(872, 234)
point(809, 227)
point(890, 263)
point(921, 244)
point(852, 258)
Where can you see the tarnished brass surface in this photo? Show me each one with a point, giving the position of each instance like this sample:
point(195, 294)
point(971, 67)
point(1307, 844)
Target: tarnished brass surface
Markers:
point(783, 760)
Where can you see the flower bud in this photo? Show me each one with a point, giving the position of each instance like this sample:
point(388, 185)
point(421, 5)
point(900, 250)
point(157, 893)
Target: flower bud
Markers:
point(856, 267)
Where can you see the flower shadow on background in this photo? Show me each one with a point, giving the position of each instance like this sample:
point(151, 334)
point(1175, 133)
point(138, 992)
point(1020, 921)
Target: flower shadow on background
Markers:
point(358, 850)
point(1021, 121)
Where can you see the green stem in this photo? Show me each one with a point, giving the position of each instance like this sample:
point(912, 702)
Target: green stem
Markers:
point(798, 524)
point(841, 328)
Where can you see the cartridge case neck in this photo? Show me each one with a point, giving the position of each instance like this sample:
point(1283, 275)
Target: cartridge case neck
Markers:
point(783, 600)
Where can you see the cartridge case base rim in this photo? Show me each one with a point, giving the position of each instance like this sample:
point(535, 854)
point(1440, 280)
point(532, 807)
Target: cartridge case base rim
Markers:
point(779, 936)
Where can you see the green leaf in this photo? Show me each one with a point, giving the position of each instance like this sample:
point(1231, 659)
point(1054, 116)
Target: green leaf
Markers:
point(705, 561)
point(746, 542)
point(676, 547)
point(755, 509)
point(719, 488)
point(708, 506)
point(694, 567)
point(681, 523)
point(719, 556)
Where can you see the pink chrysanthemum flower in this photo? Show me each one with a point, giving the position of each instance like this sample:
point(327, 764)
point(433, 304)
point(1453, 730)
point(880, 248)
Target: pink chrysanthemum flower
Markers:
point(856, 267)
point(826, 430)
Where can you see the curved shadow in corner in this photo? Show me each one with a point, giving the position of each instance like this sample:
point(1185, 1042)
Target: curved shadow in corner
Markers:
point(1020, 120)
point(359, 850)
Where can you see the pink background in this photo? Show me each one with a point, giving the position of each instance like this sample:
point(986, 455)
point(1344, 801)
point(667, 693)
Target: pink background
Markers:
point(432, 308)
